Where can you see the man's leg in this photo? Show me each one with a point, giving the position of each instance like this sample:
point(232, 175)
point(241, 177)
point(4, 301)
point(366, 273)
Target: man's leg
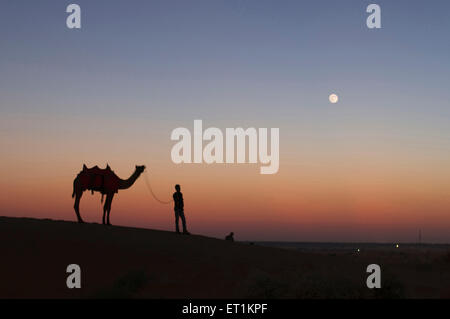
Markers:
point(183, 220)
point(176, 221)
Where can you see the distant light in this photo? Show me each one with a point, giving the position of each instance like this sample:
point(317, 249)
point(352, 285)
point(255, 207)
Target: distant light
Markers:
point(396, 246)
point(333, 98)
point(358, 250)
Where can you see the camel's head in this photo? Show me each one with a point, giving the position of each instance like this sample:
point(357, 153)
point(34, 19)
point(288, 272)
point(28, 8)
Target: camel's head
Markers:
point(140, 169)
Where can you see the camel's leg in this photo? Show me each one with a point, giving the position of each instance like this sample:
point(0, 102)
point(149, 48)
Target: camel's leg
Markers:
point(76, 206)
point(107, 207)
point(104, 214)
point(104, 211)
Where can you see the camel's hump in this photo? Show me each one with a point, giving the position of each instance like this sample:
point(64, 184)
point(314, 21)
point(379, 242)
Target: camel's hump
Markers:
point(98, 171)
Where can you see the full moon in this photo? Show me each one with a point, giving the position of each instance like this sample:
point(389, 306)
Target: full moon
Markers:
point(333, 98)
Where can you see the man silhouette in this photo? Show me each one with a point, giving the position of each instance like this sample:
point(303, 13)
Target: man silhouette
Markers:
point(179, 210)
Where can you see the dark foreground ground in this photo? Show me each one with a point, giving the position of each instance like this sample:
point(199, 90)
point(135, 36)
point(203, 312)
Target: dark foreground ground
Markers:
point(121, 262)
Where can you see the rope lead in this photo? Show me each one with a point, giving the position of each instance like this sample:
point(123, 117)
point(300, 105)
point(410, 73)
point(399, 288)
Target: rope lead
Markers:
point(147, 182)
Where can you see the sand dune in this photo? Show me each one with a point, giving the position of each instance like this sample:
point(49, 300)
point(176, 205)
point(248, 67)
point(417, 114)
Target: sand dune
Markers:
point(141, 263)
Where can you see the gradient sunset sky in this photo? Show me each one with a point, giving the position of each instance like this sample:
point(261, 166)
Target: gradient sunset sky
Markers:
point(373, 167)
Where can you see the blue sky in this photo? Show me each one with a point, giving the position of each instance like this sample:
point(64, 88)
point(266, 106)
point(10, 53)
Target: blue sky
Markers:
point(235, 62)
point(207, 54)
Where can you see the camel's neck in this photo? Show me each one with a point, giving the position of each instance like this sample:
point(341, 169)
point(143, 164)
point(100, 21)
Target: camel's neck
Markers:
point(127, 183)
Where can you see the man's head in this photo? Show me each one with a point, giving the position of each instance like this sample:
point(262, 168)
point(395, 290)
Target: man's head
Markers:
point(177, 188)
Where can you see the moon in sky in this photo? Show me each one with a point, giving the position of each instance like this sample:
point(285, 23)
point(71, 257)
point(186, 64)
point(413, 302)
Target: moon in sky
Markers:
point(333, 98)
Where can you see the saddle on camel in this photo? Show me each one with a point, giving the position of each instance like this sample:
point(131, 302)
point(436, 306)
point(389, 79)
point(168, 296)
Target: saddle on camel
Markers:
point(100, 180)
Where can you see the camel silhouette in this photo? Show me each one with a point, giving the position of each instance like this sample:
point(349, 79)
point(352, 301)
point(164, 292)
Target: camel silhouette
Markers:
point(104, 181)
